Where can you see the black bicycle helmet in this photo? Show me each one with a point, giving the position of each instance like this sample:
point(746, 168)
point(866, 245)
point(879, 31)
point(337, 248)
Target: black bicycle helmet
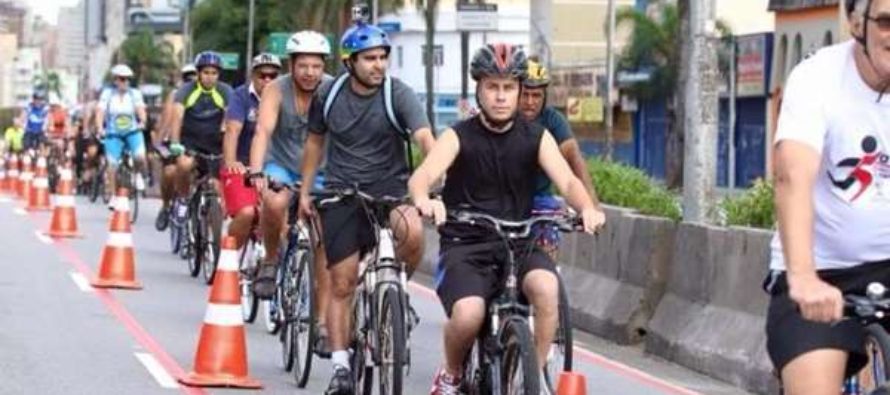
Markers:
point(499, 60)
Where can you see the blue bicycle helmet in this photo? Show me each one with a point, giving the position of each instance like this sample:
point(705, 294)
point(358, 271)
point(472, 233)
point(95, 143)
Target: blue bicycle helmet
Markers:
point(362, 37)
point(207, 59)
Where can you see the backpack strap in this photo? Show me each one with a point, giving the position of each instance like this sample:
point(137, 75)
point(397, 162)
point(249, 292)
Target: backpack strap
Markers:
point(336, 87)
point(390, 111)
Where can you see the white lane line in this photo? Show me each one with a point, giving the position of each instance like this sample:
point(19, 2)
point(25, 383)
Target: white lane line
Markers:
point(20, 211)
point(81, 282)
point(157, 371)
point(42, 237)
point(5, 200)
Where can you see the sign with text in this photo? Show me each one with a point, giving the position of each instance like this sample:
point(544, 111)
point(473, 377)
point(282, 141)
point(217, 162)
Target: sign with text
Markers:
point(477, 17)
point(751, 65)
point(229, 60)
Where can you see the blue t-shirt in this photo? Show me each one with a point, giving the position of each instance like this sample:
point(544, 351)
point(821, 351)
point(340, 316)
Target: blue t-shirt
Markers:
point(558, 126)
point(36, 117)
point(243, 108)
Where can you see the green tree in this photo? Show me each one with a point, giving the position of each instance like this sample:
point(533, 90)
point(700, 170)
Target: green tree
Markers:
point(150, 58)
point(655, 45)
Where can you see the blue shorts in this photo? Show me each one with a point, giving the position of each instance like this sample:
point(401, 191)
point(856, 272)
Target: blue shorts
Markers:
point(547, 236)
point(115, 143)
point(283, 175)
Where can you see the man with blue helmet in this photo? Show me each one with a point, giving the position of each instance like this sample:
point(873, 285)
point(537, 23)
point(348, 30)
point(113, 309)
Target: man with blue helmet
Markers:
point(197, 123)
point(366, 149)
point(35, 121)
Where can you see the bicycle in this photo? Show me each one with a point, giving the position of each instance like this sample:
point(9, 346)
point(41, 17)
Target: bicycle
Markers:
point(503, 359)
point(381, 329)
point(871, 311)
point(125, 175)
point(204, 224)
point(292, 308)
point(251, 256)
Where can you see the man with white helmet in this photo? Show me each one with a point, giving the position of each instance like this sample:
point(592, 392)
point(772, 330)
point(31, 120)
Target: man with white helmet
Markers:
point(120, 117)
point(277, 152)
point(188, 73)
point(241, 118)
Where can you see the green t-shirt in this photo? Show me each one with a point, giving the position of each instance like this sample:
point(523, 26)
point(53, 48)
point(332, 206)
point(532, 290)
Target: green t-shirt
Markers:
point(13, 137)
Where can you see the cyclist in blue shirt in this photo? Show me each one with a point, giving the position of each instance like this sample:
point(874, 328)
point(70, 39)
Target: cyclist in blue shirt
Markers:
point(121, 112)
point(36, 115)
point(533, 107)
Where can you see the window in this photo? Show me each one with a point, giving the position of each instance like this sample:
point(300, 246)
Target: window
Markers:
point(782, 64)
point(438, 55)
point(827, 40)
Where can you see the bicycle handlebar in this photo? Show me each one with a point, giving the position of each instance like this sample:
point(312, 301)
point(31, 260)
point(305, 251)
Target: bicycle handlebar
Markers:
point(515, 229)
point(871, 307)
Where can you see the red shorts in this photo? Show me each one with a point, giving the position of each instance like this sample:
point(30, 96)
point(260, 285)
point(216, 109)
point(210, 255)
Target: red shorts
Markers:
point(236, 195)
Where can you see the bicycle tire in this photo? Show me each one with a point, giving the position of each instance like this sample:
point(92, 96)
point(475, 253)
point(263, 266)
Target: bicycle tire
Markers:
point(97, 183)
point(519, 361)
point(475, 378)
point(134, 198)
point(874, 378)
point(563, 343)
point(195, 240)
point(305, 333)
point(287, 300)
point(249, 301)
point(212, 235)
point(362, 375)
point(391, 341)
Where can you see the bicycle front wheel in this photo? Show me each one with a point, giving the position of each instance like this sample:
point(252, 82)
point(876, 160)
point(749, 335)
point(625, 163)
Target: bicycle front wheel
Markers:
point(249, 301)
point(195, 241)
point(211, 243)
point(519, 365)
point(391, 342)
point(134, 198)
point(874, 376)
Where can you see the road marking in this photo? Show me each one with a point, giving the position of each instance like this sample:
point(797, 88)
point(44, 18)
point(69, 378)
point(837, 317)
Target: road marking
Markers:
point(42, 237)
point(81, 281)
point(20, 211)
point(5, 200)
point(599, 360)
point(157, 371)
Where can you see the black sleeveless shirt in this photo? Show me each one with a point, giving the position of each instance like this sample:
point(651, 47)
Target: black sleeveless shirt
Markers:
point(494, 173)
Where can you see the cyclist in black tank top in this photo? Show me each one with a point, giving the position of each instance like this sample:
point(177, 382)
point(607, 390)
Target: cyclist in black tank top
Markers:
point(491, 161)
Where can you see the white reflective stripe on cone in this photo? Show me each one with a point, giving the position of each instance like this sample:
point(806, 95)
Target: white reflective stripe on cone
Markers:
point(65, 175)
point(121, 204)
point(118, 239)
point(64, 200)
point(228, 261)
point(223, 315)
point(41, 183)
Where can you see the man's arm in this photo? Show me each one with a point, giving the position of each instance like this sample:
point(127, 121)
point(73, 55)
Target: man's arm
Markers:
point(267, 118)
point(571, 151)
point(425, 139)
point(556, 167)
point(230, 141)
point(176, 122)
point(312, 154)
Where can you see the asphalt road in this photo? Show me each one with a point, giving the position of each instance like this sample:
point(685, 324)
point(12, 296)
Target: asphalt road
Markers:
point(60, 336)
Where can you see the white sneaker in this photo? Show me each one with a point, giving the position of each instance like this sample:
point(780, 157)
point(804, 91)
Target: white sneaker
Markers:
point(140, 183)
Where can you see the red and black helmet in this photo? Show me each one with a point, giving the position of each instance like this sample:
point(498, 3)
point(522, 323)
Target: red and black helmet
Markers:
point(506, 60)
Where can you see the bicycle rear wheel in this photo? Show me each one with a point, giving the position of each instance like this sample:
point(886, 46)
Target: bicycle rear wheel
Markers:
point(97, 184)
point(134, 198)
point(195, 240)
point(209, 251)
point(519, 366)
point(391, 341)
point(877, 346)
point(560, 357)
point(362, 374)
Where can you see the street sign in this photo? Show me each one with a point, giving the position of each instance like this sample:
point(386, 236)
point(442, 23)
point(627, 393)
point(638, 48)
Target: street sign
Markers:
point(277, 43)
point(477, 17)
point(390, 27)
point(229, 60)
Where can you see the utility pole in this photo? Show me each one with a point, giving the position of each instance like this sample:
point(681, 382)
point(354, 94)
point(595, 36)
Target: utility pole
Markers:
point(248, 56)
point(610, 80)
point(187, 33)
point(375, 13)
point(701, 113)
point(464, 59)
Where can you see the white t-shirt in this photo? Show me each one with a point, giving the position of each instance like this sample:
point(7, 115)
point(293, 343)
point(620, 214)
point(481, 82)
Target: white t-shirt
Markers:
point(120, 108)
point(829, 107)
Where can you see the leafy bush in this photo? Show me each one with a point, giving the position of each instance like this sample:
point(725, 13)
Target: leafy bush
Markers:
point(625, 186)
point(754, 208)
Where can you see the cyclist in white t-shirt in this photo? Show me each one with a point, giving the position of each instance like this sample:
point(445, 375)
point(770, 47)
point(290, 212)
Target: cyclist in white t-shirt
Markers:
point(832, 179)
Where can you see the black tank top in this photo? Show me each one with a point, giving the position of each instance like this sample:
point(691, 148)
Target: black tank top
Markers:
point(494, 173)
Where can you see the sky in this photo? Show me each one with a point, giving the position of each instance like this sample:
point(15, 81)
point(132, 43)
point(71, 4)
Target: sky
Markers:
point(48, 9)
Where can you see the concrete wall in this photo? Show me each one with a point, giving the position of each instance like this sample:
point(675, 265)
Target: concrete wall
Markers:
point(687, 293)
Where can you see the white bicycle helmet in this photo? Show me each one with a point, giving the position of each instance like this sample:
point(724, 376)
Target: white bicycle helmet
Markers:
point(308, 42)
point(188, 69)
point(122, 70)
point(265, 59)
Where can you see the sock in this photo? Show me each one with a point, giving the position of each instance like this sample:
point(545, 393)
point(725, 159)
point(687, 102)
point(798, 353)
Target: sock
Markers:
point(340, 358)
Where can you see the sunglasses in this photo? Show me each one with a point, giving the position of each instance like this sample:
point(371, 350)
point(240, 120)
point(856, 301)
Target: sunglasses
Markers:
point(124, 79)
point(267, 76)
point(883, 21)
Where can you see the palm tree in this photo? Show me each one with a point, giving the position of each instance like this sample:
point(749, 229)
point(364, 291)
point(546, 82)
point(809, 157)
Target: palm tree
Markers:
point(655, 46)
point(151, 60)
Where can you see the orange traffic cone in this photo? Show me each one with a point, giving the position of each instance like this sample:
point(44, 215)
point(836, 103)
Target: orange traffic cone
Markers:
point(25, 178)
point(12, 174)
point(571, 383)
point(38, 200)
point(117, 267)
point(221, 360)
point(64, 221)
point(4, 180)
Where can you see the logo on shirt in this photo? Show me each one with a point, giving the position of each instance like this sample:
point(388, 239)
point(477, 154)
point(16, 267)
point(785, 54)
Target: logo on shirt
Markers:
point(861, 173)
point(251, 115)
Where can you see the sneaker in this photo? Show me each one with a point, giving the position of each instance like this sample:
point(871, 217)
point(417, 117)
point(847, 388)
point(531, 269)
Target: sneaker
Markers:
point(182, 210)
point(445, 384)
point(264, 282)
point(163, 219)
point(140, 183)
point(341, 382)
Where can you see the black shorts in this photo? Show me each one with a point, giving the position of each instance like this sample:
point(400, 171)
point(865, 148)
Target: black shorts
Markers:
point(789, 335)
point(466, 270)
point(32, 140)
point(346, 230)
